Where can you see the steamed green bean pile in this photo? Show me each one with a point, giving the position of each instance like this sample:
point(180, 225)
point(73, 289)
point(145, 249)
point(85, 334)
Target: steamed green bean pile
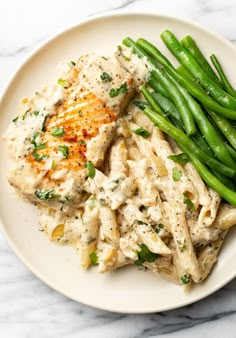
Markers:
point(195, 104)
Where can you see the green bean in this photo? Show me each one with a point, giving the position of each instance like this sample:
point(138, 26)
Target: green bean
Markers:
point(167, 105)
point(157, 86)
point(151, 101)
point(163, 100)
point(231, 151)
point(140, 104)
point(225, 180)
point(210, 179)
point(188, 61)
point(185, 73)
point(153, 51)
point(169, 86)
point(177, 98)
point(165, 108)
point(194, 90)
point(193, 48)
point(226, 84)
point(169, 108)
point(225, 126)
point(182, 138)
point(208, 131)
point(201, 142)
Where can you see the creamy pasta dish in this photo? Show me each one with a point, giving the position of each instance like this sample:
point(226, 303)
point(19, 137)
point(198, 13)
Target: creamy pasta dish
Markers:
point(105, 179)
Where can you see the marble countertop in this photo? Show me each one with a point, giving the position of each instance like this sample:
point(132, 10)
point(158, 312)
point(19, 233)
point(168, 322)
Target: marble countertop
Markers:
point(30, 309)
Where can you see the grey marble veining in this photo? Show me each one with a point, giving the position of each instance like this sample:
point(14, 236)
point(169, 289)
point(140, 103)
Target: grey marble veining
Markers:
point(28, 307)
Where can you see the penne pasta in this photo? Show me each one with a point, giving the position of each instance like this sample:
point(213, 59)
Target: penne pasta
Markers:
point(109, 225)
point(208, 255)
point(88, 234)
point(118, 158)
point(226, 217)
point(183, 244)
point(208, 212)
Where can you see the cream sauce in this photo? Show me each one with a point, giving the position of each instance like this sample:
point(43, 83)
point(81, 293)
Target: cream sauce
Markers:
point(33, 112)
point(103, 75)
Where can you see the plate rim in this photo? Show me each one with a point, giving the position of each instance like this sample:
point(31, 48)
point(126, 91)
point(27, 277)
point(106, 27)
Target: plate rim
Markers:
point(43, 44)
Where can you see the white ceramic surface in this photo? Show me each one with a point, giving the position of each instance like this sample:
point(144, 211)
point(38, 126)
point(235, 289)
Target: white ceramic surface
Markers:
point(127, 290)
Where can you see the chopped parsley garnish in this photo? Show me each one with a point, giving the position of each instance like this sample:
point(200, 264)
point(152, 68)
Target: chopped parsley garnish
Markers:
point(37, 146)
point(36, 112)
point(180, 158)
point(53, 164)
point(39, 157)
point(66, 199)
point(141, 104)
point(64, 150)
point(92, 201)
point(158, 228)
point(81, 142)
point(91, 240)
point(137, 221)
point(105, 77)
point(93, 258)
point(116, 91)
point(103, 202)
point(142, 132)
point(176, 174)
point(15, 119)
point(91, 170)
point(40, 146)
point(80, 113)
point(104, 58)
point(182, 245)
point(46, 194)
point(185, 279)
point(145, 255)
point(25, 114)
point(36, 134)
point(63, 83)
point(188, 201)
point(200, 245)
point(57, 131)
point(127, 58)
point(73, 63)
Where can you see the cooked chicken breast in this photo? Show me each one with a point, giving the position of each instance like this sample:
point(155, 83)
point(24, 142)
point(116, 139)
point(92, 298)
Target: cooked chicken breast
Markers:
point(63, 126)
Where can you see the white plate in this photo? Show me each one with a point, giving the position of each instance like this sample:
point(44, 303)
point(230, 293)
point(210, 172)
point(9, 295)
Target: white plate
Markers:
point(127, 290)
